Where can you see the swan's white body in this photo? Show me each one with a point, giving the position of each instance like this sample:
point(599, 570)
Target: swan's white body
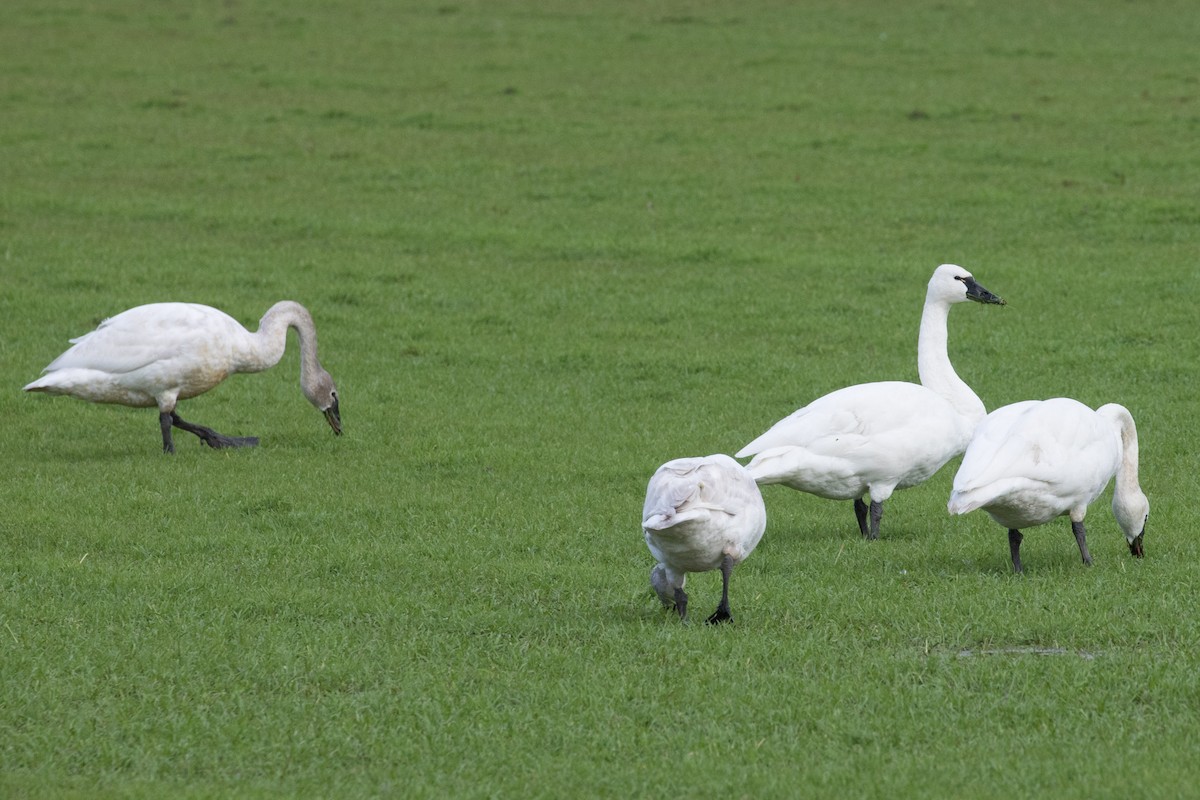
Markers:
point(874, 438)
point(869, 439)
point(1031, 462)
point(700, 514)
point(158, 354)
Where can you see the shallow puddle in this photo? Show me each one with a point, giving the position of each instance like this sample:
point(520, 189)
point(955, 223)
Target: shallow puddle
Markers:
point(1026, 651)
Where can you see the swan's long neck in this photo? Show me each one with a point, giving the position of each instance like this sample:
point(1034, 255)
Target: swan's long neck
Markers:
point(933, 362)
point(266, 345)
point(1127, 486)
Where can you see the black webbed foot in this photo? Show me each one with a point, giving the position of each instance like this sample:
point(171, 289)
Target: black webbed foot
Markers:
point(217, 441)
point(210, 437)
point(719, 616)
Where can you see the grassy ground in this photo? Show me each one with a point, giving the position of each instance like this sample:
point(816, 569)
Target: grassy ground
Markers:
point(547, 249)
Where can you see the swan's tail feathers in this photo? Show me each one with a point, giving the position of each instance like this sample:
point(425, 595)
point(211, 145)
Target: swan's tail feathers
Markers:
point(787, 432)
point(963, 503)
point(759, 445)
point(775, 465)
point(51, 383)
point(95, 386)
point(966, 500)
point(663, 520)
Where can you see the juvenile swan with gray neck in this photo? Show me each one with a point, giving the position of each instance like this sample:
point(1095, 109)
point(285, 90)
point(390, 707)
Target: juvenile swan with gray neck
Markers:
point(700, 514)
point(159, 354)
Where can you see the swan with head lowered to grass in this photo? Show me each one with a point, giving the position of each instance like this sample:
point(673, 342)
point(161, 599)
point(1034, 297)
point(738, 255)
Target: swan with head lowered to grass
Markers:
point(700, 514)
point(159, 354)
point(871, 439)
point(1033, 461)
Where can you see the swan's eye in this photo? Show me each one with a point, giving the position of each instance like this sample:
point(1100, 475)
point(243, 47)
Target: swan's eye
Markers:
point(962, 278)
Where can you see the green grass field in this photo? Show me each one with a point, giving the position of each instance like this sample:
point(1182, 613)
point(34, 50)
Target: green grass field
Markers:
point(549, 247)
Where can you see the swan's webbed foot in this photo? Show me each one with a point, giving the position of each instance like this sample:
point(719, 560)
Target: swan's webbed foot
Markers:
point(217, 441)
point(209, 436)
point(720, 615)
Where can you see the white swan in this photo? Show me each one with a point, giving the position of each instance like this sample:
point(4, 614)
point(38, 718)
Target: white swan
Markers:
point(700, 514)
point(1031, 462)
point(158, 354)
point(874, 438)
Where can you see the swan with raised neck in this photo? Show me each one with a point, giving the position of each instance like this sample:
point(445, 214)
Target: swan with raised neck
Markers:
point(873, 438)
point(933, 356)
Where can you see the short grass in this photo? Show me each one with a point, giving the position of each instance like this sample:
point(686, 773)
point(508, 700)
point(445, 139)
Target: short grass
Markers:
point(548, 247)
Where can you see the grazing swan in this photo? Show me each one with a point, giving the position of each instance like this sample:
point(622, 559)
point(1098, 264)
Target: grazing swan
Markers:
point(158, 354)
point(1031, 462)
point(874, 438)
point(700, 514)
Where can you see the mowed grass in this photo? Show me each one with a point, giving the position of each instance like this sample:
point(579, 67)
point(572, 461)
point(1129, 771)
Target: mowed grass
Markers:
point(548, 248)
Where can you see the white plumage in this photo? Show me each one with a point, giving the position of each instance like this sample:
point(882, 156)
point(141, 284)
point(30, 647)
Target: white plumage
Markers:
point(1033, 461)
point(158, 354)
point(874, 438)
point(700, 514)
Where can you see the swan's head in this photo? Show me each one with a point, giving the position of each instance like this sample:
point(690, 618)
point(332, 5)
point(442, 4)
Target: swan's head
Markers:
point(322, 393)
point(953, 284)
point(1132, 511)
point(662, 585)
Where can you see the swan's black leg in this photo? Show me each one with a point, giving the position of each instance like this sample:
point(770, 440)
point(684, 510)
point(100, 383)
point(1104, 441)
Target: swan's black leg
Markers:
point(681, 603)
point(1081, 539)
point(211, 437)
point(860, 513)
point(876, 516)
point(1014, 547)
point(722, 613)
point(164, 422)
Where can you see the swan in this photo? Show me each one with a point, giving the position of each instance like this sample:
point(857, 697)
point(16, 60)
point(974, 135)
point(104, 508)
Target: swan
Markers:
point(158, 354)
point(873, 438)
point(700, 514)
point(1033, 461)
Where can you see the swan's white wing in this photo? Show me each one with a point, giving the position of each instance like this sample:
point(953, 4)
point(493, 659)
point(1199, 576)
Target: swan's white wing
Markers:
point(992, 451)
point(857, 416)
point(142, 336)
point(803, 426)
point(887, 433)
point(1056, 448)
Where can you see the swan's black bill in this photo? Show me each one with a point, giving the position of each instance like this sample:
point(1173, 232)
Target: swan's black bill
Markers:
point(979, 294)
point(1136, 547)
point(334, 418)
